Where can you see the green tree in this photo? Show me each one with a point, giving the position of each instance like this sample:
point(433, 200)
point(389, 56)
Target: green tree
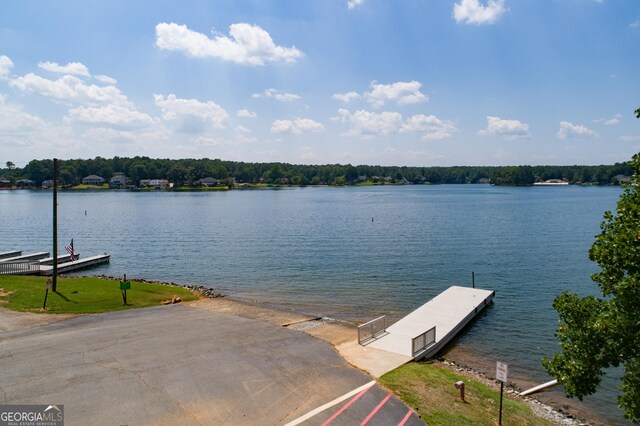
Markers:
point(10, 165)
point(600, 332)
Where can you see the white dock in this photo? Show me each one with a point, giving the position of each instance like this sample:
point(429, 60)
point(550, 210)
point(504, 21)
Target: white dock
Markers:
point(25, 257)
point(7, 254)
point(76, 264)
point(61, 259)
point(448, 312)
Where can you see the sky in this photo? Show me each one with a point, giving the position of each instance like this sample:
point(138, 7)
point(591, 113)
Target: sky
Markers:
point(406, 82)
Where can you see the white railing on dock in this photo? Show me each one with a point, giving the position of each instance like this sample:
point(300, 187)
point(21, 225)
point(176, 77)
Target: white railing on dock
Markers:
point(372, 329)
point(19, 267)
point(423, 341)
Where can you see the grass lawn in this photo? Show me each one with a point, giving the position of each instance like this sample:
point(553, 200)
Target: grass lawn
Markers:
point(82, 295)
point(429, 389)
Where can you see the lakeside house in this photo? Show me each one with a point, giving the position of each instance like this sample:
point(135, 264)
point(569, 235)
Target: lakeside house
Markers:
point(24, 183)
point(46, 184)
point(209, 181)
point(4, 183)
point(93, 180)
point(154, 183)
point(552, 182)
point(119, 181)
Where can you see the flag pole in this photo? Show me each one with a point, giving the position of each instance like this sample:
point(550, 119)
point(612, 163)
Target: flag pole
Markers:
point(55, 225)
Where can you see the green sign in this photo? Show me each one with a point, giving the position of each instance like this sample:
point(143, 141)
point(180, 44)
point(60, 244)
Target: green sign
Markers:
point(125, 285)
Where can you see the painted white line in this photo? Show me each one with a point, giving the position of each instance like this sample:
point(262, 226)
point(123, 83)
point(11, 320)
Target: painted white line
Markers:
point(330, 404)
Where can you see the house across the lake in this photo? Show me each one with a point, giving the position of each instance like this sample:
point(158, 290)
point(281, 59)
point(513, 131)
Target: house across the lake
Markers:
point(154, 183)
point(93, 180)
point(119, 181)
point(209, 181)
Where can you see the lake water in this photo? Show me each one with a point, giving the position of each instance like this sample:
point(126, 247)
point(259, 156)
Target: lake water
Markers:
point(350, 253)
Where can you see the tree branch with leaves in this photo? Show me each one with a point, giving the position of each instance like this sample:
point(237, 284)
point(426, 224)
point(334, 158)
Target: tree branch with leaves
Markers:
point(596, 333)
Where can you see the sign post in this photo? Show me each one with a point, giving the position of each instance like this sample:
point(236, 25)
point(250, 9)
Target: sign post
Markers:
point(501, 374)
point(124, 285)
point(48, 285)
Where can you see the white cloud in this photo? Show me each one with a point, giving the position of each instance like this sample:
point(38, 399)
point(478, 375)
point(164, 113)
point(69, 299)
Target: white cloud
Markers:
point(575, 131)
point(110, 116)
point(297, 126)
point(635, 24)
point(242, 129)
point(70, 89)
point(370, 124)
point(73, 68)
point(106, 79)
point(277, 95)
point(352, 4)
point(432, 127)
point(346, 97)
point(400, 92)
point(13, 120)
point(192, 115)
point(510, 129)
point(474, 12)
point(616, 119)
point(247, 45)
point(6, 65)
point(245, 113)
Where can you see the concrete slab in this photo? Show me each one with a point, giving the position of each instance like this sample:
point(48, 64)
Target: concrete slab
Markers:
point(176, 364)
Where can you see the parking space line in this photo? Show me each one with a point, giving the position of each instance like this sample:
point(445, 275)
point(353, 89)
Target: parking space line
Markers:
point(345, 406)
point(406, 417)
point(361, 390)
point(375, 410)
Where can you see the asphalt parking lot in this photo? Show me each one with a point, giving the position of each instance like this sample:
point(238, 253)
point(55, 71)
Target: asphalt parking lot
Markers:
point(177, 364)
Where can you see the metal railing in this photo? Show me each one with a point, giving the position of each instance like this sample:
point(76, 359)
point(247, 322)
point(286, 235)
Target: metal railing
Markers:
point(20, 267)
point(372, 329)
point(423, 341)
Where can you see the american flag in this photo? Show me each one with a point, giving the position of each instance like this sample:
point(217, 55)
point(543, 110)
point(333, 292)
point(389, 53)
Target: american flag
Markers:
point(69, 248)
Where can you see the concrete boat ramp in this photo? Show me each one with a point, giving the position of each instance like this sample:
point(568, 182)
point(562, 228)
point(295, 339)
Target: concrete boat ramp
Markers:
point(425, 331)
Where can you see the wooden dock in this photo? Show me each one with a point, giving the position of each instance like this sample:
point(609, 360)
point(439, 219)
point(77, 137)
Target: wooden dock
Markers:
point(76, 264)
point(446, 314)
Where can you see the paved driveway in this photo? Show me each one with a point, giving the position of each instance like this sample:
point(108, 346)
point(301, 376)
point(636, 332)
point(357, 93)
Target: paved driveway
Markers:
point(181, 365)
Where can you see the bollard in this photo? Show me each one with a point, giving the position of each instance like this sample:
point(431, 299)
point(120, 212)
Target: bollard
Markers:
point(460, 385)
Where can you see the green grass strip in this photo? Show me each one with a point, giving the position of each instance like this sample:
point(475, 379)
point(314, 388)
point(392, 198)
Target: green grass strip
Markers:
point(82, 295)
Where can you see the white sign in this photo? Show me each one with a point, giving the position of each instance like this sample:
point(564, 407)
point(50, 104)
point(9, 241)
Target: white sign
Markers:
point(501, 371)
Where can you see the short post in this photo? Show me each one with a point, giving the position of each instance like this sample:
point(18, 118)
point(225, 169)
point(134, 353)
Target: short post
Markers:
point(501, 374)
point(48, 285)
point(460, 385)
point(124, 285)
point(473, 279)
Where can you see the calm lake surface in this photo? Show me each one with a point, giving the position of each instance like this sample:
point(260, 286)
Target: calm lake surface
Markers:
point(350, 253)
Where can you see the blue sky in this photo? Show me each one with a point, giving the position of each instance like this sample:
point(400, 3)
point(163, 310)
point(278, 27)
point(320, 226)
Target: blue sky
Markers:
point(407, 82)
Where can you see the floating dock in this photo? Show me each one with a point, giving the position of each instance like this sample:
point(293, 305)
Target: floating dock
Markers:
point(425, 331)
point(61, 259)
point(76, 264)
point(26, 257)
point(8, 254)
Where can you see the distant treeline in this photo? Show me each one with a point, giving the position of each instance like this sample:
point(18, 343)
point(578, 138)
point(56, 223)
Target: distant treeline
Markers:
point(187, 172)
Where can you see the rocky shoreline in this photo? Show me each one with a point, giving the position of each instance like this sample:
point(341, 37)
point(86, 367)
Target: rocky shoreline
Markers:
point(206, 292)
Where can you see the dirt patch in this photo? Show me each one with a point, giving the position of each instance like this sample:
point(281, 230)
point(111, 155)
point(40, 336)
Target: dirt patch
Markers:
point(4, 293)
